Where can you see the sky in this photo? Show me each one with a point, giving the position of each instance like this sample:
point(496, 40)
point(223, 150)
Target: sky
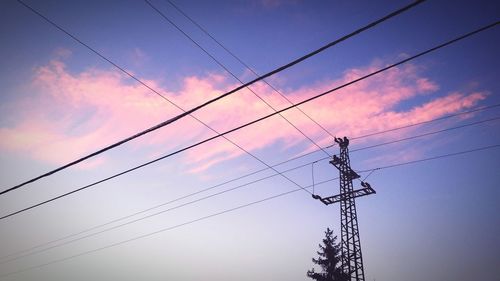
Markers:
point(433, 220)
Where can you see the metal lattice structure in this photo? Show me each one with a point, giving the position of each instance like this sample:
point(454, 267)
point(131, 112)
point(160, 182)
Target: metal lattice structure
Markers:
point(351, 257)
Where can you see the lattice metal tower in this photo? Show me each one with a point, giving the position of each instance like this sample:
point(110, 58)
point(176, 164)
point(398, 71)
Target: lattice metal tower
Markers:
point(351, 257)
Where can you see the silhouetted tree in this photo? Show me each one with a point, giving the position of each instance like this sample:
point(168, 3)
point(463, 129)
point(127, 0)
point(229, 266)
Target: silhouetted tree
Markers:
point(329, 261)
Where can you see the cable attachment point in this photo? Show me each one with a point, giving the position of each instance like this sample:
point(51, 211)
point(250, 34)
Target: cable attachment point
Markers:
point(343, 142)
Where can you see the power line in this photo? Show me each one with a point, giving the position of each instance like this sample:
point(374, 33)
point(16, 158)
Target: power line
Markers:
point(312, 175)
point(434, 157)
point(195, 118)
point(245, 65)
point(232, 74)
point(369, 174)
point(147, 216)
point(30, 251)
point(3, 259)
point(153, 233)
point(482, 108)
point(241, 82)
point(265, 117)
point(175, 118)
point(241, 207)
point(428, 134)
point(430, 121)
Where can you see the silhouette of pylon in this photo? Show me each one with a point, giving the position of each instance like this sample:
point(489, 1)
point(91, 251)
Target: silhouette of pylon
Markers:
point(351, 257)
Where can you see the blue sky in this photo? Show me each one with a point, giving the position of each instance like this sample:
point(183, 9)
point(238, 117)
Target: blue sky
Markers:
point(435, 220)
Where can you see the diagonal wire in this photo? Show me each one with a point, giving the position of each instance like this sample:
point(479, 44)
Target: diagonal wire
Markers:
point(241, 82)
point(175, 118)
point(195, 118)
point(372, 171)
point(232, 74)
point(312, 175)
point(237, 208)
point(430, 121)
point(32, 251)
point(267, 116)
point(153, 233)
point(246, 65)
point(147, 216)
point(434, 158)
point(428, 134)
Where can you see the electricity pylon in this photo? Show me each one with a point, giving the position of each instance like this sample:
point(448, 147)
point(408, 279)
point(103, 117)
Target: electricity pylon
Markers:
point(351, 257)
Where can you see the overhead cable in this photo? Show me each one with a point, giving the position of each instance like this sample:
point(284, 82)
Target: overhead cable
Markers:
point(241, 207)
point(50, 245)
point(190, 111)
point(246, 65)
point(267, 116)
point(198, 120)
point(225, 68)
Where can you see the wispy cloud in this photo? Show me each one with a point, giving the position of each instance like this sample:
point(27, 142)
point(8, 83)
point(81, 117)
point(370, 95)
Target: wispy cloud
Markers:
point(76, 113)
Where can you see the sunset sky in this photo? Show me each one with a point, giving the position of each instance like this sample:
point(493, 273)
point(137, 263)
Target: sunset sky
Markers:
point(432, 220)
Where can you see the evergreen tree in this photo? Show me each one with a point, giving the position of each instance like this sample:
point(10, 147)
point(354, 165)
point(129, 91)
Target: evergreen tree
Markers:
point(329, 261)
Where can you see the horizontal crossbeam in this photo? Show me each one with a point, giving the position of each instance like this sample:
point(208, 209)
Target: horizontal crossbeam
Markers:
point(367, 190)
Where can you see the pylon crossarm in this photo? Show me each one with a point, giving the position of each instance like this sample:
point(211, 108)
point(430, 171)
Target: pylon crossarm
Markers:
point(344, 196)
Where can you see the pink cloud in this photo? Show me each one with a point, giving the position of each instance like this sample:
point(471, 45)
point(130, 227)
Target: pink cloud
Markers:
point(77, 113)
point(396, 157)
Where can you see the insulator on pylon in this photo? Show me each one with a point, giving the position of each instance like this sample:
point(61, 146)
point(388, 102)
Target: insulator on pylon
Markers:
point(317, 197)
point(335, 160)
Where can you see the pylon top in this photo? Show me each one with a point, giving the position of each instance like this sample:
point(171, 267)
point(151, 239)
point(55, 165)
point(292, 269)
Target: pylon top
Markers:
point(343, 142)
